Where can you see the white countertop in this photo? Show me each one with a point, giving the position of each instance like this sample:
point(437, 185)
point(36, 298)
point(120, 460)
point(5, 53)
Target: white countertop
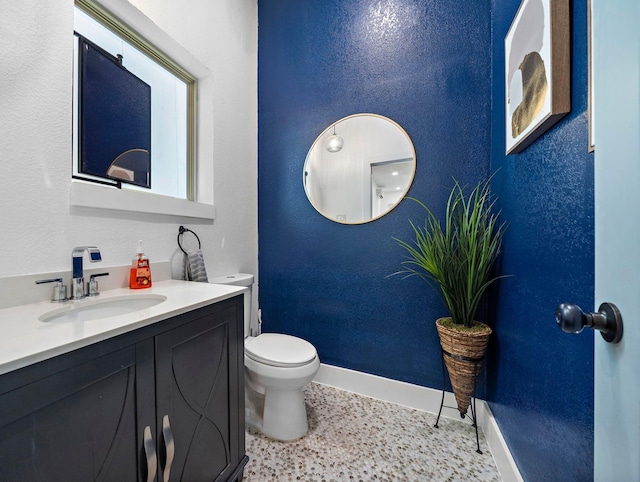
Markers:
point(25, 340)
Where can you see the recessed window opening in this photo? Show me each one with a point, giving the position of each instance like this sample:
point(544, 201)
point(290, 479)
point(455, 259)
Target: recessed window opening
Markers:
point(172, 103)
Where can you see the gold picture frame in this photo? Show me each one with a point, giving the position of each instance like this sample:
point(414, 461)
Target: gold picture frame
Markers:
point(591, 90)
point(537, 71)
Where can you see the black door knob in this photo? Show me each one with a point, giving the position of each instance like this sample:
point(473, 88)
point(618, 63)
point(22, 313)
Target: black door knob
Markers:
point(607, 320)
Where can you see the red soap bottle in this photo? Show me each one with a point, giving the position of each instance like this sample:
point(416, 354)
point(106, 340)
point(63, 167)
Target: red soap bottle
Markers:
point(140, 274)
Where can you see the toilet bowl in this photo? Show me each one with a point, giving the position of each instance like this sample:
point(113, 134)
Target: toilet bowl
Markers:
point(277, 368)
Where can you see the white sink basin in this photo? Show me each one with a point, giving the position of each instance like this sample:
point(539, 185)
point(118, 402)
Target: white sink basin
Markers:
point(94, 309)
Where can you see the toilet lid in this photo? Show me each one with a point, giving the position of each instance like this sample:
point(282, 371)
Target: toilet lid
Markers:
point(279, 350)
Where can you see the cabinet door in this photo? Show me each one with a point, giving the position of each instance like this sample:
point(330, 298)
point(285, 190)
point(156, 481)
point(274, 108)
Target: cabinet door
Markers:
point(75, 425)
point(197, 398)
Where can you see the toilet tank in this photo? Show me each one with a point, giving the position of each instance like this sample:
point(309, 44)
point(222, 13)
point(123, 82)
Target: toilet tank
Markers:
point(239, 279)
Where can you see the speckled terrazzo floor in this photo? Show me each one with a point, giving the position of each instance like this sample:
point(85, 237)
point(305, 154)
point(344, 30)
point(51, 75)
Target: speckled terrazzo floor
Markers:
point(356, 438)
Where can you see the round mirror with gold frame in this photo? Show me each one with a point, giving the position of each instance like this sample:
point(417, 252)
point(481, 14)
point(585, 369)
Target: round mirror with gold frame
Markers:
point(359, 168)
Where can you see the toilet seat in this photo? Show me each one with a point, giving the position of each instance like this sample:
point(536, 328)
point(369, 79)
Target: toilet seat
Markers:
point(278, 350)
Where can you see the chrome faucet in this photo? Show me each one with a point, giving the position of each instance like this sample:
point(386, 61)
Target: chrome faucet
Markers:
point(77, 281)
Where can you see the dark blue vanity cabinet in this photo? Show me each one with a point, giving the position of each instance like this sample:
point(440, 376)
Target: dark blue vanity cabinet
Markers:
point(165, 399)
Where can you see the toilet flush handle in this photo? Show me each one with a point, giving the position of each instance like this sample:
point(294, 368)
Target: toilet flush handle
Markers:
point(259, 322)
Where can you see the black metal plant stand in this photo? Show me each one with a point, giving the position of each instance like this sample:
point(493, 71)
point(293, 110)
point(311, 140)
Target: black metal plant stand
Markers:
point(477, 362)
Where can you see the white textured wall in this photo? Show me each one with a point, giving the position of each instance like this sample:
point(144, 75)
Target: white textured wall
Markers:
point(38, 229)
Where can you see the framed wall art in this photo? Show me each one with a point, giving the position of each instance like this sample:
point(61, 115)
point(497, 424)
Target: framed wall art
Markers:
point(537, 71)
point(592, 126)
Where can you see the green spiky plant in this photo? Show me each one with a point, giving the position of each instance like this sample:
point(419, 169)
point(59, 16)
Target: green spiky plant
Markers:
point(457, 259)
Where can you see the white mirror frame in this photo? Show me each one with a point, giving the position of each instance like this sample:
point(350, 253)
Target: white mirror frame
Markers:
point(367, 176)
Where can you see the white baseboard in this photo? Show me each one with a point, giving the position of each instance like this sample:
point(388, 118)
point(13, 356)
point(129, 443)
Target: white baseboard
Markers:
point(499, 449)
point(425, 399)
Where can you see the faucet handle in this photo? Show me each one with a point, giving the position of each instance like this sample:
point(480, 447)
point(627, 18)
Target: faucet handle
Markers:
point(93, 284)
point(59, 289)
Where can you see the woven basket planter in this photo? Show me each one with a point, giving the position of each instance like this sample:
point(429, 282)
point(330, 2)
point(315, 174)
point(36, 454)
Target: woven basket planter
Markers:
point(463, 354)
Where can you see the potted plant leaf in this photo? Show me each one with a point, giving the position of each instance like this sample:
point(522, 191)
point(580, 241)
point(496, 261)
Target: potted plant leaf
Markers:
point(457, 258)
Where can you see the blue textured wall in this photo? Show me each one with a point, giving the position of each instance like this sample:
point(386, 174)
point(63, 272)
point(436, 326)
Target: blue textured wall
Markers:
point(428, 66)
point(318, 62)
point(540, 379)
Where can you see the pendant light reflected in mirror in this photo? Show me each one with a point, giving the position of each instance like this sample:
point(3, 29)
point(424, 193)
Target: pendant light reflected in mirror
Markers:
point(334, 141)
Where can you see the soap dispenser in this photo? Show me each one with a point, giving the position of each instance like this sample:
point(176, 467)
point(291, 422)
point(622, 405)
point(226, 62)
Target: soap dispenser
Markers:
point(140, 275)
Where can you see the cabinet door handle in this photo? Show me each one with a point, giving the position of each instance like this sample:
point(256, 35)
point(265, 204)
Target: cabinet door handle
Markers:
point(169, 447)
point(150, 454)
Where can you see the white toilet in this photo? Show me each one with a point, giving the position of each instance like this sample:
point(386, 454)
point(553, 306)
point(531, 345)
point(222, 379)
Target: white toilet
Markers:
point(277, 368)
